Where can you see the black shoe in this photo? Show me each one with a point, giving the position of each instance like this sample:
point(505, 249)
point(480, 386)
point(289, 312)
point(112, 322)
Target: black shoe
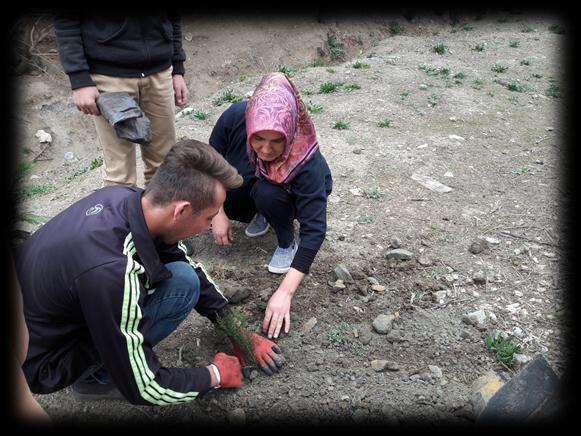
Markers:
point(93, 390)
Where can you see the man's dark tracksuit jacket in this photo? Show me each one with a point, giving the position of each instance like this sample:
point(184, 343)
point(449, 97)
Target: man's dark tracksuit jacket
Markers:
point(116, 44)
point(84, 277)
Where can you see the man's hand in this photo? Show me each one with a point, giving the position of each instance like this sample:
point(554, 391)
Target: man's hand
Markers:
point(222, 228)
point(230, 370)
point(180, 89)
point(85, 100)
point(266, 352)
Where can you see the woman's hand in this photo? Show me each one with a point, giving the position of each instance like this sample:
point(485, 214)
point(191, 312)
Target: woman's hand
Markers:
point(278, 308)
point(222, 228)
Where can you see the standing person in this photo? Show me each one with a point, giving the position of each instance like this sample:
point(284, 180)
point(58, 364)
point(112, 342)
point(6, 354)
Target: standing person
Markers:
point(104, 281)
point(272, 142)
point(140, 54)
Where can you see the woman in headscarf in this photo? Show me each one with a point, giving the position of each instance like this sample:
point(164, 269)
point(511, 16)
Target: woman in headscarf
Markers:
point(272, 142)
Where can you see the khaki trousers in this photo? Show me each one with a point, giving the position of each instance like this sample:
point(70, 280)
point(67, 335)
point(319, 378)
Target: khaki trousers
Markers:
point(155, 96)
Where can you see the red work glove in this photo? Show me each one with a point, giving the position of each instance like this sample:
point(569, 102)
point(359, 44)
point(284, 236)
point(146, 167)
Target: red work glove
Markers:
point(266, 352)
point(230, 370)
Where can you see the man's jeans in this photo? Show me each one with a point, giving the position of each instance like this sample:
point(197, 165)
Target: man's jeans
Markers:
point(166, 306)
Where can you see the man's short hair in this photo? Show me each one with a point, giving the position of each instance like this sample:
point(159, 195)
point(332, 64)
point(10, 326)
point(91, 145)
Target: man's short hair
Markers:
point(190, 171)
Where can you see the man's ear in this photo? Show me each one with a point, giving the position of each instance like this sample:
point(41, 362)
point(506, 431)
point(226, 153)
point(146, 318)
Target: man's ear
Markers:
point(182, 209)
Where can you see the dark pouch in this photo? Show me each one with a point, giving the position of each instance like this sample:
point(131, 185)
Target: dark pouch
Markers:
point(126, 117)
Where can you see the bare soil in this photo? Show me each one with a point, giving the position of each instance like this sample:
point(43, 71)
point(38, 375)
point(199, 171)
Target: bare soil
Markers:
point(494, 138)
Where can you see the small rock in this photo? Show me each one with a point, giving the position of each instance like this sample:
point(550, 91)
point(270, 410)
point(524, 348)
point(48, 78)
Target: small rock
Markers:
point(342, 273)
point(43, 137)
point(399, 254)
point(477, 318)
point(382, 324)
point(237, 416)
point(365, 336)
point(521, 359)
point(435, 371)
point(234, 294)
point(483, 389)
point(478, 246)
point(338, 284)
point(395, 242)
point(424, 261)
point(69, 157)
point(379, 365)
point(479, 278)
point(378, 288)
point(372, 281)
point(456, 137)
point(309, 325)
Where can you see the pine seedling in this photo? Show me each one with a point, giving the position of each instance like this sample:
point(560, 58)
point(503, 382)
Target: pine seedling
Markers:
point(235, 326)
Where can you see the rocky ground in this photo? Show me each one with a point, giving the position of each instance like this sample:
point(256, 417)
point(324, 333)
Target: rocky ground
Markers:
point(444, 138)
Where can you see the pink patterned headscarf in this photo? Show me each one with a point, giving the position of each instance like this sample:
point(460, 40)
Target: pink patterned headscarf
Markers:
point(276, 105)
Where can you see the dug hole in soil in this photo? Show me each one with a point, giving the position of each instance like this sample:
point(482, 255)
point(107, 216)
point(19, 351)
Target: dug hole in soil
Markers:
point(443, 135)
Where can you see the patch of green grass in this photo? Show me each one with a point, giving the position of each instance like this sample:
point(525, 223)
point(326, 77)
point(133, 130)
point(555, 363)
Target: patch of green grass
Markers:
point(375, 193)
point(527, 29)
point(200, 115)
point(284, 69)
point(553, 91)
point(328, 87)
point(525, 62)
point(314, 108)
point(513, 99)
point(405, 94)
point(434, 71)
point(33, 219)
point(35, 190)
point(522, 170)
point(478, 47)
point(516, 86)
point(96, 163)
point(78, 173)
point(433, 100)
point(334, 47)
point(499, 68)
point(440, 48)
point(318, 63)
point(395, 28)
point(367, 219)
point(227, 97)
point(341, 125)
point(514, 43)
point(467, 28)
point(331, 70)
point(341, 336)
point(352, 87)
point(477, 83)
point(386, 122)
point(503, 347)
point(537, 75)
point(557, 29)
point(360, 65)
